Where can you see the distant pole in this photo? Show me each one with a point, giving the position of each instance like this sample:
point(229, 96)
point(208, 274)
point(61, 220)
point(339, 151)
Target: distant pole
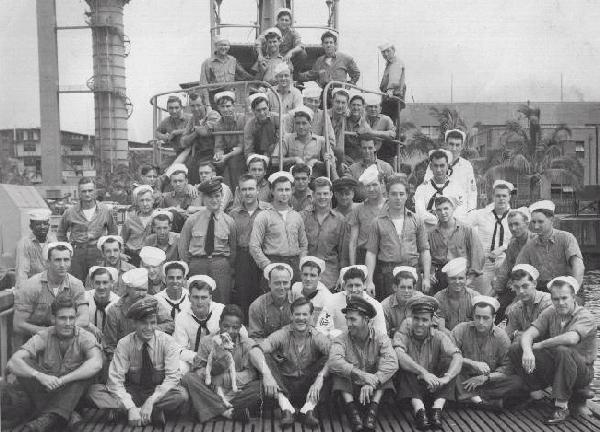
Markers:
point(451, 88)
point(561, 87)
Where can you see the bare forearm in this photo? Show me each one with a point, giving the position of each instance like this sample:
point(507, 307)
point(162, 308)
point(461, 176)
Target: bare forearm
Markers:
point(426, 263)
point(87, 370)
point(408, 364)
point(455, 366)
point(565, 339)
point(21, 368)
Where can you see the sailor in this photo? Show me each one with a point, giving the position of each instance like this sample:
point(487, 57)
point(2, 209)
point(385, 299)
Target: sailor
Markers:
point(278, 234)
point(111, 248)
point(451, 239)
point(289, 95)
point(138, 223)
point(101, 297)
point(395, 306)
point(207, 171)
point(381, 129)
point(486, 377)
point(491, 226)
point(397, 238)
point(84, 224)
point(362, 217)
point(362, 363)
point(174, 297)
point(325, 231)
point(456, 301)
point(551, 251)
point(152, 259)
point(425, 373)
point(564, 352)
point(294, 359)
point(441, 184)
point(143, 377)
point(28, 256)
point(332, 321)
point(118, 324)
point(369, 157)
point(162, 237)
point(460, 169)
point(54, 368)
point(208, 240)
point(32, 311)
point(392, 81)
point(171, 129)
point(530, 302)
point(257, 166)
point(271, 311)
point(311, 99)
point(301, 198)
point(229, 149)
point(180, 198)
point(311, 285)
point(261, 132)
point(267, 64)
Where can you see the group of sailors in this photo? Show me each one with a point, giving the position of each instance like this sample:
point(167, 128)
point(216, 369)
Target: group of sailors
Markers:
point(381, 295)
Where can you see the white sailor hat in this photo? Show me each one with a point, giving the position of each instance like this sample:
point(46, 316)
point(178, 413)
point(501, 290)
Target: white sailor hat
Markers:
point(283, 10)
point(567, 279)
point(372, 99)
point(273, 30)
point(486, 300)
point(227, 93)
point(152, 256)
point(52, 245)
point(186, 268)
point(175, 168)
point(166, 213)
point(142, 188)
point(531, 270)
point(340, 90)
point(257, 95)
point(137, 277)
point(254, 156)
point(313, 259)
point(104, 239)
point(542, 205)
point(411, 270)
point(455, 266)
point(330, 33)
point(504, 183)
point(279, 174)
point(311, 91)
point(268, 269)
point(370, 175)
point(220, 38)
point(448, 153)
point(41, 214)
point(362, 268)
point(203, 278)
point(462, 134)
point(303, 109)
point(385, 45)
point(114, 273)
point(281, 68)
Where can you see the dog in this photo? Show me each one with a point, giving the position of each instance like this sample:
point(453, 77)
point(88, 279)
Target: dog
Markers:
point(222, 344)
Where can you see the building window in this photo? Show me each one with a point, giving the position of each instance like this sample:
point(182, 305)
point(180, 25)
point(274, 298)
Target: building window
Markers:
point(19, 135)
point(580, 149)
point(76, 147)
point(30, 161)
point(29, 146)
point(35, 135)
point(77, 161)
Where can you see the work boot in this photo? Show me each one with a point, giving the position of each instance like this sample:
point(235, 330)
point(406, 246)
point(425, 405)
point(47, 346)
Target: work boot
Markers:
point(241, 415)
point(421, 420)
point(287, 418)
point(354, 418)
point(370, 422)
point(43, 423)
point(436, 418)
point(558, 416)
point(157, 418)
point(75, 422)
point(309, 419)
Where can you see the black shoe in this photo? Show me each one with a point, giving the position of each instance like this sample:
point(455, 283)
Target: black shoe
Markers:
point(43, 423)
point(158, 417)
point(287, 418)
point(354, 417)
point(558, 416)
point(241, 415)
point(436, 418)
point(308, 419)
point(112, 415)
point(421, 420)
point(370, 422)
point(75, 422)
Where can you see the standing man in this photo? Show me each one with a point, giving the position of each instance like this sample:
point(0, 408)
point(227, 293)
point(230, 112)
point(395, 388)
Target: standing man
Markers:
point(565, 348)
point(83, 224)
point(362, 362)
point(29, 259)
point(355, 122)
point(261, 132)
point(171, 129)
point(247, 274)
point(552, 252)
point(111, 248)
point(208, 240)
point(325, 231)
point(396, 238)
point(302, 197)
point(333, 65)
point(343, 191)
point(311, 287)
point(257, 166)
point(392, 81)
point(174, 297)
point(101, 297)
point(369, 158)
point(278, 234)
point(338, 114)
point(162, 237)
point(207, 171)
point(229, 149)
point(381, 128)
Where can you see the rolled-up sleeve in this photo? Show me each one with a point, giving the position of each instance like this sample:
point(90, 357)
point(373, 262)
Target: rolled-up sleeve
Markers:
point(388, 361)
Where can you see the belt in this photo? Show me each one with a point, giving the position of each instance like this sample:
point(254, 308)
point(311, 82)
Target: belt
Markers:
point(83, 245)
point(209, 256)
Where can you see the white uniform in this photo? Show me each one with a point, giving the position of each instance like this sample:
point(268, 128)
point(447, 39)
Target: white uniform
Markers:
point(462, 173)
point(172, 305)
point(332, 321)
point(318, 301)
point(425, 192)
point(484, 222)
point(98, 321)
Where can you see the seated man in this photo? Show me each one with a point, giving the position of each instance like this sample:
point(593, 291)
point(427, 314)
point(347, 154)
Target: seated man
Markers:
point(271, 311)
point(118, 324)
point(311, 287)
point(174, 297)
point(362, 363)
point(111, 248)
point(395, 307)
point(143, 377)
point(229, 149)
point(162, 237)
point(206, 403)
point(257, 166)
point(267, 64)
point(152, 259)
point(101, 297)
point(530, 302)
point(261, 132)
point(332, 321)
point(486, 378)
point(290, 96)
point(170, 129)
point(34, 299)
point(180, 199)
point(294, 358)
point(564, 353)
point(423, 354)
point(381, 129)
point(54, 368)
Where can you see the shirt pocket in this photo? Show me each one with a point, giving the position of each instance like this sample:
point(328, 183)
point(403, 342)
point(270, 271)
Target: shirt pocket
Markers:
point(198, 237)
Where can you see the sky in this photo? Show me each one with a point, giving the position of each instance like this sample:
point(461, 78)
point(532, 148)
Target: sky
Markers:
point(494, 51)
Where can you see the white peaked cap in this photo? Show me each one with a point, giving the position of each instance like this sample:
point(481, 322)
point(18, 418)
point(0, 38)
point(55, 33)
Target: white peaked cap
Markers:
point(411, 270)
point(257, 95)
point(278, 174)
point(273, 30)
point(104, 239)
point(448, 153)
point(567, 279)
point(464, 135)
point(203, 278)
point(223, 94)
point(313, 259)
point(41, 214)
point(282, 10)
point(152, 256)
point(267, 270)
point(542, 205)
point(370, 175)
point(257, 156)
point(137, 277)
point(311, 91)
point(533, 272)
point(455, 267)
point(487, 300)
point(174, 168)
point(304, 109)
point(114, 273)
point(509, 185)
point(166, 213)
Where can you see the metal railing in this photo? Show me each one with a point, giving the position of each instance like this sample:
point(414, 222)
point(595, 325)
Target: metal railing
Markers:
point(158, 111)
point(5, 340)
